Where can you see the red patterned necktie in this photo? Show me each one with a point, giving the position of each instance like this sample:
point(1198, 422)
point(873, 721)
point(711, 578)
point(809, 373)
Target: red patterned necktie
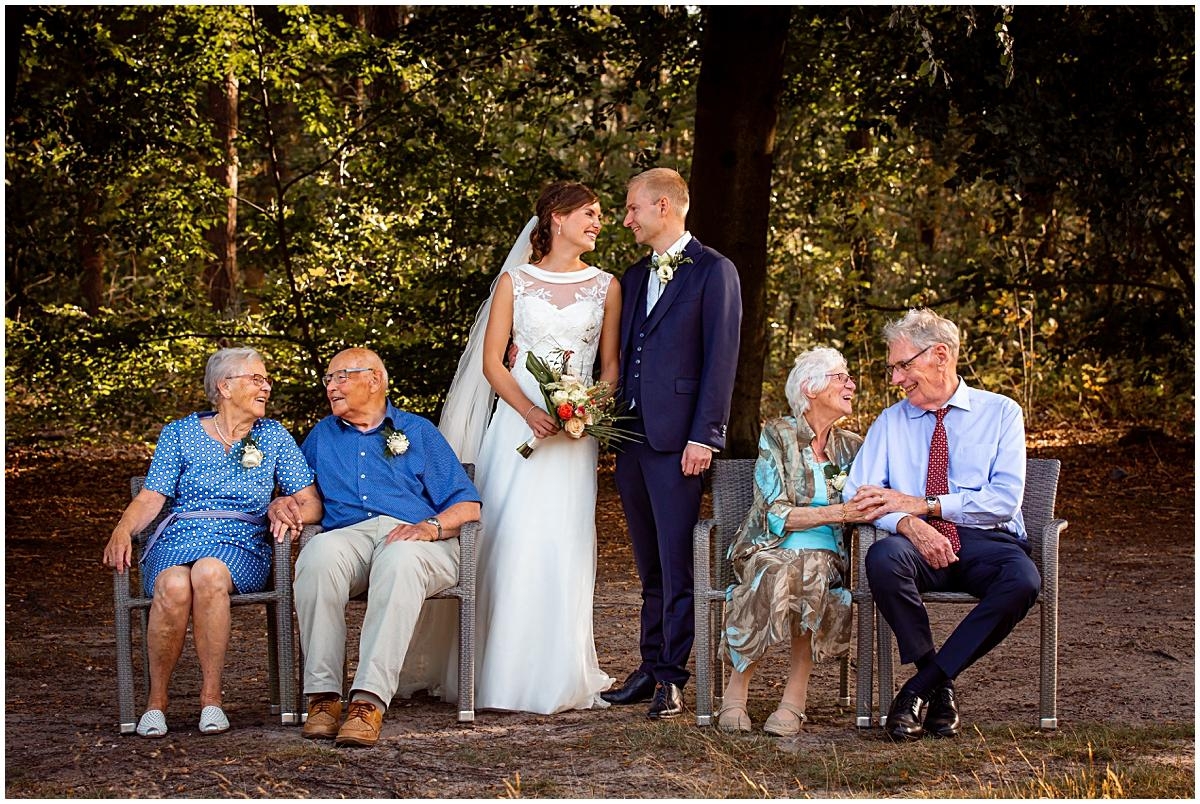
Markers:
point(936, 480)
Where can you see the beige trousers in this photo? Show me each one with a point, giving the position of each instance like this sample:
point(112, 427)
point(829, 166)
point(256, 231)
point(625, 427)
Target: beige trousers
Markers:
point(340, 564)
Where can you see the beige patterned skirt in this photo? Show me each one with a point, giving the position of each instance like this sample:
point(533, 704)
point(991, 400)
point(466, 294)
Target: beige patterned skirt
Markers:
point(787, 593)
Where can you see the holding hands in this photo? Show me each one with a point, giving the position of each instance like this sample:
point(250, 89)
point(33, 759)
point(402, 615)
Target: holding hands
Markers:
point(289, 513)
point(875, 501)
point(284, 513)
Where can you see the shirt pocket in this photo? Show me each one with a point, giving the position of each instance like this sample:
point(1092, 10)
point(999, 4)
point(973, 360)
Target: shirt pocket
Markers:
point(971, 465)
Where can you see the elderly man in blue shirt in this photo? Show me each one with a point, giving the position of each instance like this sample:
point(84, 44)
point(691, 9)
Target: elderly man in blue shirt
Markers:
point(394, 497)
point(946, 469)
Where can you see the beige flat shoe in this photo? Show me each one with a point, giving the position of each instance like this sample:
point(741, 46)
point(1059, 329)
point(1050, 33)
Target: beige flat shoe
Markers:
point(733, 717)
point(785, 721)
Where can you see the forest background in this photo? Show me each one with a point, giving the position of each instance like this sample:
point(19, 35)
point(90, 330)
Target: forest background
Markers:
point(301, 179)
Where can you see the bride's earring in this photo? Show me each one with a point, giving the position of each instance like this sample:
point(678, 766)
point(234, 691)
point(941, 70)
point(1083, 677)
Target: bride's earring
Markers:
point(560, 228)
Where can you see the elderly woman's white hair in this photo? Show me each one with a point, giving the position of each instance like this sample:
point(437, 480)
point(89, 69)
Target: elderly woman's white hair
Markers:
point(923, 328)
point(223, 363)
point(810, 374)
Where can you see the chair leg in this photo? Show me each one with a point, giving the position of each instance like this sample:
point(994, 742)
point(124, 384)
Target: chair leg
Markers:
point(273, 659)
point(144, 619)
point(704, 665)
point(866, 659)
point(1049, 696)
point(716, 625)
point(886, 690)
point(466, 659)
point(285, 662)
point(126, 716)
point(844, 682)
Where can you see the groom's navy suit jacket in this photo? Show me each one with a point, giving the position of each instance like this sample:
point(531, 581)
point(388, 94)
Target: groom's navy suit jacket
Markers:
point(679, 363)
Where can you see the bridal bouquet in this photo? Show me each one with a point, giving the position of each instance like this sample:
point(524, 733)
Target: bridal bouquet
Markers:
point(581, 409)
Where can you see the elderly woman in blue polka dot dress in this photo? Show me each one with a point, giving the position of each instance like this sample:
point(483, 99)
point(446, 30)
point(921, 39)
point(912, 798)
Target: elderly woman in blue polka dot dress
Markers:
point(220, 467)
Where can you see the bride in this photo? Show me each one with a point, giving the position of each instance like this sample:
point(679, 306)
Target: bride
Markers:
point(537, 552)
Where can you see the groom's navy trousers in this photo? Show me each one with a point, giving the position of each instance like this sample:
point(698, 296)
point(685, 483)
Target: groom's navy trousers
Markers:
point(660, 530)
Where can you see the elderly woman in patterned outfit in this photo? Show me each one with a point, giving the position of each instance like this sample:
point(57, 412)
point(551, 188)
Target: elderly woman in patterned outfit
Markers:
point(221, 468)
point(790, 554)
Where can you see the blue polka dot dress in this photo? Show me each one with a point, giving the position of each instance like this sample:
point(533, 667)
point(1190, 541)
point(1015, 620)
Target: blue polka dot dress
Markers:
point(192, 467)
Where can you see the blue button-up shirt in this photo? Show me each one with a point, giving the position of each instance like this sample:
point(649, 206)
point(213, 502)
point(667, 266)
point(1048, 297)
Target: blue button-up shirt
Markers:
point(986, 436)
point(359, 479)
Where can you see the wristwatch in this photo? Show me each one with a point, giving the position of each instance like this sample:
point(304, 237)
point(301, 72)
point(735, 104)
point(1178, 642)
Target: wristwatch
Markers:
point(930, 501)
point(433, 520)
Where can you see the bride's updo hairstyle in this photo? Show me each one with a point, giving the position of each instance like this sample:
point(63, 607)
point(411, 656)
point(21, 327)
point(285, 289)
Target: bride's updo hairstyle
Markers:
point(561, 197)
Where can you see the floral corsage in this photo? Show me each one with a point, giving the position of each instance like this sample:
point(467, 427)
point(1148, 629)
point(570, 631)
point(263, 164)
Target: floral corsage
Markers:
point(252, 456)
point(395, 442)
point(835, 479)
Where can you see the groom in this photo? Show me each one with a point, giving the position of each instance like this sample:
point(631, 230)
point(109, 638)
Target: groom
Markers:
point(680, 326)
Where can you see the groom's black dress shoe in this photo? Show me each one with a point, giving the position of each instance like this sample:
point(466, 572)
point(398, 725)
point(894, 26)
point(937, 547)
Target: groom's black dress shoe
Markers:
point(904, 718)
point(667, 703)
point(637, 688)
point(941, 718)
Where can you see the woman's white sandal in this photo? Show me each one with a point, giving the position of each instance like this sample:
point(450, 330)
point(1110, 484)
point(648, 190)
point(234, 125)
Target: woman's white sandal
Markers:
point(213, 720)
point(152, 724)
point(729, 719)
point(785, 728)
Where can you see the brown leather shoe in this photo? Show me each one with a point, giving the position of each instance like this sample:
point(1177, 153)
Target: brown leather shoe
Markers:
point(362, 725)
point(324, 716)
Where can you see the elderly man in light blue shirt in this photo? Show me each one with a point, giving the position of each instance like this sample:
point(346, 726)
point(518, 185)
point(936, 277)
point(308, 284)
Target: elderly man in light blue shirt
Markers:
point(945, 468)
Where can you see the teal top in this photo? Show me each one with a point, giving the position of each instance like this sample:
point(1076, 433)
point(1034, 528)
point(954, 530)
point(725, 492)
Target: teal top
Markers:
point(822, 537)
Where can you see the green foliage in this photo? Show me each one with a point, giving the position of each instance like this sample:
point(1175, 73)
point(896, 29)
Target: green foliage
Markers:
point(1069, 277)
point(998, 165)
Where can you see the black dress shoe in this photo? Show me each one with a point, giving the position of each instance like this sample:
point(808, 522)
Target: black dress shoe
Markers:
point(904, 718)
point(667, 703)
point(637, 688)
point(941, 718)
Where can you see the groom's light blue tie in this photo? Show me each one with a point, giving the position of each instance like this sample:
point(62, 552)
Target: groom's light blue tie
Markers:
point(654, 288)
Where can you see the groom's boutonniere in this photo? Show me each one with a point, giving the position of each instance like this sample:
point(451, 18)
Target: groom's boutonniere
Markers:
point(395, 442)
point(666, 265)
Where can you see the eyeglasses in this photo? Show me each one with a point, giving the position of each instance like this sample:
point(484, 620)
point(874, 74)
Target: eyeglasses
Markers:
point(841, 377)
point(257, 379)
point(341, 375)
point(904, 364)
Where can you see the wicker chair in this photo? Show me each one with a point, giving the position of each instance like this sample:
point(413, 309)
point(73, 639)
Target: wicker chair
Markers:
point(464, 593)
point(281, 650)
point(1041, 488)
point(732, 495)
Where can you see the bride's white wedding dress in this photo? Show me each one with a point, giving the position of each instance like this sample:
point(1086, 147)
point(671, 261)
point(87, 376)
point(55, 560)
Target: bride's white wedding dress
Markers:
point(537, 551)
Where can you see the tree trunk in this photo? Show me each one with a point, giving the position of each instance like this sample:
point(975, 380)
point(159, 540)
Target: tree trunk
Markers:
point(737, 100)
point(90, 249)
point(221, 275)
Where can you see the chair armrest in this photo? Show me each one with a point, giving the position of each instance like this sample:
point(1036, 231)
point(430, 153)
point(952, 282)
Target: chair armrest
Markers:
point(1044, 546)
point(306, 535)
point(468, 540)
point(702, 541)
point(282, 561)
point(121, 587)
point(867, 535)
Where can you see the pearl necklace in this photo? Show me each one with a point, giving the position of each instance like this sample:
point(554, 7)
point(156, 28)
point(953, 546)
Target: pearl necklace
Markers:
point(220, 435)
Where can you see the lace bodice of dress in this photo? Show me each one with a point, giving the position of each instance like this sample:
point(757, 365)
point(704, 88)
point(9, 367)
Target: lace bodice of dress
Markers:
point(558, 311)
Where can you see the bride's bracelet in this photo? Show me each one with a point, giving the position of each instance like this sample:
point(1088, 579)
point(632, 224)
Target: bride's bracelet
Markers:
point(526, 416)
